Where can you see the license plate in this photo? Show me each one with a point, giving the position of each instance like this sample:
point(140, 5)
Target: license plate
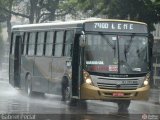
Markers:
point(118, 94)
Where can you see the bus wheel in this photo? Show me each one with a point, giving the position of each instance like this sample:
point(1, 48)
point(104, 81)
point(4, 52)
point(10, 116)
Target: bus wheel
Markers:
point(67, 93)
point(123, 105)
point(29, 85)
point(82, 104)
point(65, 89)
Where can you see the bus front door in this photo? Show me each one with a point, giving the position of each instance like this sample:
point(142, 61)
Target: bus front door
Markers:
point(76, 68)
point(15, 62)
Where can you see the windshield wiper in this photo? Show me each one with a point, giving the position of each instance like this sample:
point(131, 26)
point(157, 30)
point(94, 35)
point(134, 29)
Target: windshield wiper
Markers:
point(109, 43)
point(127, 47)
point(126, 64)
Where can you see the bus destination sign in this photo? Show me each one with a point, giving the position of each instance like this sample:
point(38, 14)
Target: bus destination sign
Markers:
point(116, 27)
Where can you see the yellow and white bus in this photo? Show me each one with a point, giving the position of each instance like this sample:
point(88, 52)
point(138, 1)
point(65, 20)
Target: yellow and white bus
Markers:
point(93, 59)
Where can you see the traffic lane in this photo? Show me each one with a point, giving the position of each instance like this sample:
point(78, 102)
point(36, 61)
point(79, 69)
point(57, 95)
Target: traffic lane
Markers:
point(15, 101)
point(136, 107)
point(88, 117)
point(65, 117)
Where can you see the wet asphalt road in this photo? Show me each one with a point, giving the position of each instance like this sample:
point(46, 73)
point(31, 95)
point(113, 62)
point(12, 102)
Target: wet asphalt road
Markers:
point(49, 107)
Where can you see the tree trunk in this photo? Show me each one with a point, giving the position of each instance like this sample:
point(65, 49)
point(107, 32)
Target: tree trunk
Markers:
point(9, 28)
point(33, 4)
point(9, 21)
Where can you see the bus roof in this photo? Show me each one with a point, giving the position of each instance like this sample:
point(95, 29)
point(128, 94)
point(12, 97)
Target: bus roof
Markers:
point(67, 24)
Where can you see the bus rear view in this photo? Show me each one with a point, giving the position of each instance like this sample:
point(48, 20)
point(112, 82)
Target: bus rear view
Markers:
point(116, 62)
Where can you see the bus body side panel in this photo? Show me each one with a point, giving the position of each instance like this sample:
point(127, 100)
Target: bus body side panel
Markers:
point(42, 74)
point(11, 70)
point(11, 60)
point(27, 63)
point(24, 69)
point(58, 70)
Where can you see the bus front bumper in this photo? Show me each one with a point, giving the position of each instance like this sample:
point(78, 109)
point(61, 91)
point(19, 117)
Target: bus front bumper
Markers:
point(89, 92)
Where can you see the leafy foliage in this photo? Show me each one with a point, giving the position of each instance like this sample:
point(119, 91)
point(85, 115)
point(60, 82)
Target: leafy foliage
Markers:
point(3, 13)
point(41, 10)
point(139, 10)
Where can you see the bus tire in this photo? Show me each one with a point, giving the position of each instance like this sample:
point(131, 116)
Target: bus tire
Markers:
point(82, 104)
point(66, 93)
point(41, 94)
point(65, 89)
point(123, 105)
point(29, 85)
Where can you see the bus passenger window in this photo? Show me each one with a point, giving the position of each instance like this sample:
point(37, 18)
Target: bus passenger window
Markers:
point(24, 44)
point(59, 43)
point(68, 43)
point(13, 43)
point(40, 43)
point(49, 43)
point(32, 39)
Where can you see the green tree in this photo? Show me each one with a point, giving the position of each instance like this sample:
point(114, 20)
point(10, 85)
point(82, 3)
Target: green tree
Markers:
point(6, 15)
point(157, 8)
point(33, 10)
point(69, 7)
point(139, 10)
point(89, 8)
point(49, 8)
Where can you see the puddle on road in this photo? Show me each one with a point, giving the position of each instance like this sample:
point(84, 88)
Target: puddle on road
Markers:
point(13, 92)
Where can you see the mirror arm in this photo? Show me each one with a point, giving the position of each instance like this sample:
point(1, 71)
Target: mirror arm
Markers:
point(83, 33)
point(83, 40)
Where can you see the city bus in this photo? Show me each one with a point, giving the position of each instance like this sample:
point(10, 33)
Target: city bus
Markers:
point(92, 59)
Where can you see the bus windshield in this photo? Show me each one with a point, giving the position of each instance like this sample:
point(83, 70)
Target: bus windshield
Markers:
point(123, 54)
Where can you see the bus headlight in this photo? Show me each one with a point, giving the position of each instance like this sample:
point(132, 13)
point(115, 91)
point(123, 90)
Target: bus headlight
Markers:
point(145, 82)
point(87, 77)
point(88, 81)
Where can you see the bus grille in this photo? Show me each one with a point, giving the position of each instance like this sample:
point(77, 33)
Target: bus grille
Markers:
point(117, 86)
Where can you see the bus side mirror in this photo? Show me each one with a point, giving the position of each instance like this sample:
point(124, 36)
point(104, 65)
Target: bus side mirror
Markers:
point(82, 41)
